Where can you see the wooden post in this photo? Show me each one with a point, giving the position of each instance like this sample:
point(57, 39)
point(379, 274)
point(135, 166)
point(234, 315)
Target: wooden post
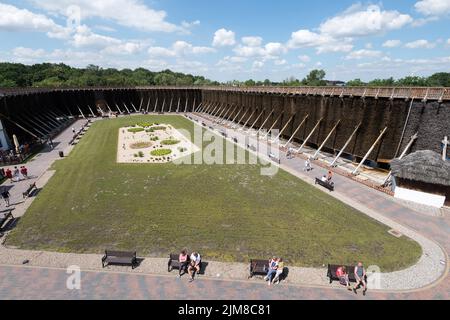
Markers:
point(296, 130)
point(245, 113)
point(156, 105)
point(355, 172)
point(273, 126)
point(265, 121)
point(444, 149)
point(284, 128)
point(310, 135)
point(315, 156)
point(345, 145)
point(254, 123)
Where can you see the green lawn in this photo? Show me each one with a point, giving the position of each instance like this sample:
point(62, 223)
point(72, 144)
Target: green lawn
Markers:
point(226, 212)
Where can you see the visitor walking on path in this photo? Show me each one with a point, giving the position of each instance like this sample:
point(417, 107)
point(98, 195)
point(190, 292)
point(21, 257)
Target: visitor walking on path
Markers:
point(360, 275)
point(5, 196)
point(16, 174)
point(308, 165)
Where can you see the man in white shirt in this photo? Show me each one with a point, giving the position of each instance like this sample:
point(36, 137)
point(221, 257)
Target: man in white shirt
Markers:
point(195, 266)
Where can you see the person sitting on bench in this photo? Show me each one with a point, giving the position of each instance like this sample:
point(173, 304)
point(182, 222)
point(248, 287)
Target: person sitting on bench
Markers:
point(273, 267)
point(280, 269)
point(183, 259)
point(195, 265)
point(342, 274)
point(329, 176)
point(324, 178)
point(360, 275)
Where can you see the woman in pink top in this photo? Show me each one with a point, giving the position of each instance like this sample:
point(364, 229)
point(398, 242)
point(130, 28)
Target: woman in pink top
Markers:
point(184, 262)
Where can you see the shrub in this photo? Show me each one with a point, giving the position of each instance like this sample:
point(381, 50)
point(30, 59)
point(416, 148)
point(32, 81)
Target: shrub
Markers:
point(154, 138)
point(145, 124)
point(169, 142)
point(141, 145)
point(141, 154)
point(135, 130)
point(181, 149)
point(158, 128)
point(161, 152)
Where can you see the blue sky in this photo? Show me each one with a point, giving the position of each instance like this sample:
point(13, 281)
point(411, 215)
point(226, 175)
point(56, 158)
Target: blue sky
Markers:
point(226, 40)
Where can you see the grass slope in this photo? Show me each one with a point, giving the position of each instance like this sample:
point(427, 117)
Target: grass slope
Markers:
point(227, 212)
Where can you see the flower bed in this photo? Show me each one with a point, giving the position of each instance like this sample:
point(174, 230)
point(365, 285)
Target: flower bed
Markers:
point(141, 145)
point(161, 152)
point(135, 130)
point(170, 142)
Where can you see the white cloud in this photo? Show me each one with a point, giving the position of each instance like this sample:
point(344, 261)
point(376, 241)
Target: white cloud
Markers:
point(128, 13)
point(433, 7)
point(323, 43)
point(358, 21)
point(420, 44)
point(223, 37)
point(363, 53)
point(392, 44)
point(84, 37)
point(252, 41)
point(179, 48)
point(28, 53)
point(280, 62)
point(275, 49)
point(257, 65)
point(13, 19)
point(448, 41)
point(304, 58)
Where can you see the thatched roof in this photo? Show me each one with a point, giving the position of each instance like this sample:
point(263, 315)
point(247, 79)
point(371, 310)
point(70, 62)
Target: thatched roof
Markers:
point(425, 166)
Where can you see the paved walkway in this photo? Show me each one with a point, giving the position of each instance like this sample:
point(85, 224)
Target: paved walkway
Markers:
point(49, 284)
point(143, 286)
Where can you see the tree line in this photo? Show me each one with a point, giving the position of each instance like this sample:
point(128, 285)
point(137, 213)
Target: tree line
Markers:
point(61, 75)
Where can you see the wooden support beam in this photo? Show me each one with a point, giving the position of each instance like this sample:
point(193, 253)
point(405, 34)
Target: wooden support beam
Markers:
point(156, 105)
point(315, 156)
point(233, 108)
point(148, 104)
point(356, 171)
point(254, 123)
point(310, 135)
point(245, 124)
point(171, 102)
point(273, 126)
point(117, 106)
point(223, 116)
point(444, 148)
point(296, 130)
point(107, 105)
point(132, 104)
point(284, 128)
point(237, 123)
point(187, 100)
point(92, 112)
point(264, 123)
point(81, 112)
point(142, 102)
point(333, 164)
point(237, 114)
point(198, 108)
point(220, 115)
point(163, 105)
point(126, 107)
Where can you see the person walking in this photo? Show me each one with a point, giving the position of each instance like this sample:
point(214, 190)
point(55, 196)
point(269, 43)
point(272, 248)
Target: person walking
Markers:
point(16, 174)
point(5, 196)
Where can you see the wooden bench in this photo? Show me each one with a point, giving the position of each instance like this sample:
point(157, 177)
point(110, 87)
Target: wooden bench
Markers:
point(258, 267)
point(119, 258)
point(328, 185)
point(4, 218)
point(30, 189)
point(331, 273)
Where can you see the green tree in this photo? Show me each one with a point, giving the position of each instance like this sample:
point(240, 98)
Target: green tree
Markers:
point(356, 83)
point(315, 78)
